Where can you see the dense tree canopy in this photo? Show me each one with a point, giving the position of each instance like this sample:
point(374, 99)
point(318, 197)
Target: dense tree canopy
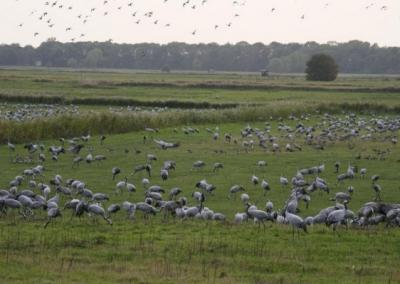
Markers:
point(352, 57)
point(321, 67)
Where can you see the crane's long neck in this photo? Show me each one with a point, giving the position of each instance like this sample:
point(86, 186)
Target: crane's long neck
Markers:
point(247, 209)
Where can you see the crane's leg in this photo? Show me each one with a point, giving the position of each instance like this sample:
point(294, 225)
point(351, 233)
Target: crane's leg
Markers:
point(47, 223)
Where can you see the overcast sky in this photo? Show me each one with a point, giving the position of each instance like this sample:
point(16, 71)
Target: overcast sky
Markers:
point(376, 21)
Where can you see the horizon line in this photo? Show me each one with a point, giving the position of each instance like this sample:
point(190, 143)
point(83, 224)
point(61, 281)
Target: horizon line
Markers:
point(330, 42)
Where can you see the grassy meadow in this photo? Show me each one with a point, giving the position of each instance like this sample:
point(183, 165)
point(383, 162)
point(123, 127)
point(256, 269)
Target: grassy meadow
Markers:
point(88, 250)
point(220, 88)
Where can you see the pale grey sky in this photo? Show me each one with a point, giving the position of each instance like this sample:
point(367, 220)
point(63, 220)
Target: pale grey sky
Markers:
point(376, 21)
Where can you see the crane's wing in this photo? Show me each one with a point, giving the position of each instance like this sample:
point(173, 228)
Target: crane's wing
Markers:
point(166, 145)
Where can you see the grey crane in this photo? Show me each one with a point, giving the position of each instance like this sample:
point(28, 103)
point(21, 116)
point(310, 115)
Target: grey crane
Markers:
point(64, 190)
point(115, 171)
point(11, 147)
point(341, 197)
point(363, 172)
point(339, 216)
point(174, 192)
point(52, 213)
point(130, 187)
point(375, 178)
point(54, 200)
point(89, 158)
point(113, 208)
point(254, 180)
point(259, 216)
point(86, 193)
point(291, 205)
point(265, 186)
point(206, 214)
point(156, 188)
point(166, 145)
point(235, 189)
point(199, 196)
point(27, 204)
point(192, 211)
point(96, 209)
point(71, 204)
point(145, 183)
point(244, 197)
point(342, 177)
point(377, 188)
point(141, 168)
point(198, 165)
point(169, 165)
point(269, 206)
point(151, 158)
point(154, 195)
point(130, 208)
point(12, 204)
point(218, 166)
point(296, 222)
point(121, 185)
point(100, 197)
point(164, 174)
point(99, 158)
point(283, 181)
point(81, 207)
point(392, 217)
point(218, 217)
point(75, 149)
point(85, 138)
point(240, 218)
point(169, 208)
point(147, 209)
point(76, 161)
point(261, 164)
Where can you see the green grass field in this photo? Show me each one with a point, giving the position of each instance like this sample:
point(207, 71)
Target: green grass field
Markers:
point(88, 250)
point(213, 88)
point(73, 250)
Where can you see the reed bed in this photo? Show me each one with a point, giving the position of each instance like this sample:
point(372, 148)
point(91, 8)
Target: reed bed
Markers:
point(103, 122)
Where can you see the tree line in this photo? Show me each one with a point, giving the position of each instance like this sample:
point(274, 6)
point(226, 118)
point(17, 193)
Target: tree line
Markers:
point(351, 57)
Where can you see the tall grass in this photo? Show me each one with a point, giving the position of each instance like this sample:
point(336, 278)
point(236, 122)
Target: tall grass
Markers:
point(361, 108)
point(111, 101)
point(255, 86)
point(112, 123)
point(36, 99)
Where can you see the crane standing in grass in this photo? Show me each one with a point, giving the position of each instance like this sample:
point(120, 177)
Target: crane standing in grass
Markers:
point(296, 222)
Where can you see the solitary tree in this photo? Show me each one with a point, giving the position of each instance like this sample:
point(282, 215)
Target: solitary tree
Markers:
point(321, 67)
